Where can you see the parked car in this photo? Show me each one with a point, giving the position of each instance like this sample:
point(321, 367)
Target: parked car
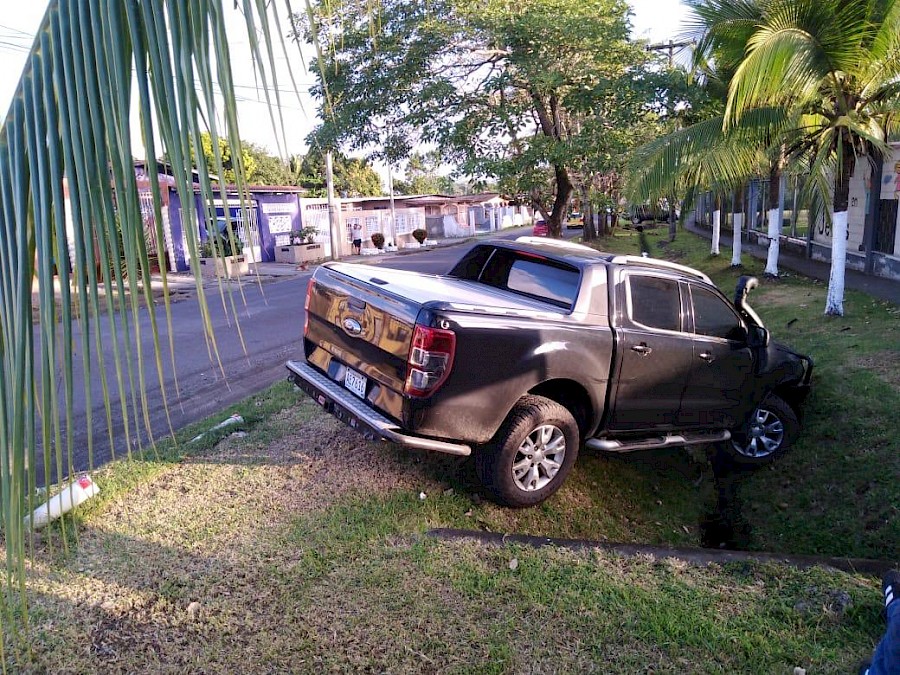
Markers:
point(529, 350)
point(540, 228)
point(574, 220)
point(640, 214)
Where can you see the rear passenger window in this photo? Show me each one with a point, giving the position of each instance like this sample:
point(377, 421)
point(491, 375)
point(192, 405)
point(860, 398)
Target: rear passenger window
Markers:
point(654, 302)
point(555, 284)
point(531, 275)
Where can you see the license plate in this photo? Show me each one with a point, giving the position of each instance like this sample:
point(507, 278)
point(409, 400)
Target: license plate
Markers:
point(355, 383)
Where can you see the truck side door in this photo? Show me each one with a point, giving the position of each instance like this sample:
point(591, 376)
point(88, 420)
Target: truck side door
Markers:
point(720, 389)
point(655, 353)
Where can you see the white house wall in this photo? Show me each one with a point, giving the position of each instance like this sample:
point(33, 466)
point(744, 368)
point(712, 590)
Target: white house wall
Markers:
point(860, 188)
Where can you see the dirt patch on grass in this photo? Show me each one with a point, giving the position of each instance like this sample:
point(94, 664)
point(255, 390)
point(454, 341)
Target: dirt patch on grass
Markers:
point(192, 567)
point(884, 364)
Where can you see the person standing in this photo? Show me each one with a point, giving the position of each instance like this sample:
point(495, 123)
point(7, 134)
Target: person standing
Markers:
point(356, 237)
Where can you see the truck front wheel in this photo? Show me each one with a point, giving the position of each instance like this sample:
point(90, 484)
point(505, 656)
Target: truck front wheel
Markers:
point(532, 454)
point(768, 434)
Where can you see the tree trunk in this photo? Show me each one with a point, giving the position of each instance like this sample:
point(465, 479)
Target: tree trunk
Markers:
point(737, 217)
point(834, 304)
point(673, 221)
point(774, 219)
point(587, 213)
point(716, 225)
point(561, 203)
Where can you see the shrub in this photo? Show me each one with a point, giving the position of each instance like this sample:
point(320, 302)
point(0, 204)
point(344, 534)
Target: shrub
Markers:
point(220, 244)
point(304, 235)
point(420, 235)
point(378, 240)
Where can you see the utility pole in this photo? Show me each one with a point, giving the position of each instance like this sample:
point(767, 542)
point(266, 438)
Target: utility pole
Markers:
point(671, 47)
point(333, 226)
point(393, 213)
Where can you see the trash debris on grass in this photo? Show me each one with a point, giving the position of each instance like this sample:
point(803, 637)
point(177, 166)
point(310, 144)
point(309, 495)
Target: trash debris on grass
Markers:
point(234, 419)
point(77, 492)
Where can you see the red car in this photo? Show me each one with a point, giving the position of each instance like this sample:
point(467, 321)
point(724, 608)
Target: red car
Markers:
point(540, 228)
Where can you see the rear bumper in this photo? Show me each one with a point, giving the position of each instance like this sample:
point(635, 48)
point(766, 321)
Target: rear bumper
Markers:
point(355, 413)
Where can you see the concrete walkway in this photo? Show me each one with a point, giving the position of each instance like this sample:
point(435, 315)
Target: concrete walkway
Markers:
point(877, 287)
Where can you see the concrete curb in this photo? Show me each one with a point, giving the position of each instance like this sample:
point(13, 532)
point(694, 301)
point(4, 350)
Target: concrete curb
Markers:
point(697, 556)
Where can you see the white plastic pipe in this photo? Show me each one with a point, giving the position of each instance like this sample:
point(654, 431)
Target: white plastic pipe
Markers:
point(78, 492)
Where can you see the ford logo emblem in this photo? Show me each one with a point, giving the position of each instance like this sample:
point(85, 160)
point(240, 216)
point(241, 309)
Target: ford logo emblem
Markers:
point(352, 326)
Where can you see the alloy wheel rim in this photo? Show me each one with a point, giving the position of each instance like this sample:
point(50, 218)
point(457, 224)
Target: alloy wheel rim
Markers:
point(539, 458)
point(764, 436)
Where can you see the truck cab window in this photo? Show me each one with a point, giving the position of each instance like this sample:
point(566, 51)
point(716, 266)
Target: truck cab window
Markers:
point(714, 317)
point(654, 302)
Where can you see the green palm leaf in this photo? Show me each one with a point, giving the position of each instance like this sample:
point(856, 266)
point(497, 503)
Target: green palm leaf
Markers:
point(67, 135)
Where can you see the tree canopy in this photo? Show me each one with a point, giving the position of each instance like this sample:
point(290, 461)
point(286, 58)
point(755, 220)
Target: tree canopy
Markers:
point(538, 94)
point(352, 177)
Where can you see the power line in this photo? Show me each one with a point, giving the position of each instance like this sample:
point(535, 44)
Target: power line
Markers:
point(17, 30)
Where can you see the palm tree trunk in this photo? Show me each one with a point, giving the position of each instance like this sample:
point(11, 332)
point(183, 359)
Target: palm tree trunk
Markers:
point(716, 225)
point(738, 219)
point(673, 223)
point(834, 303)
point(774, 218)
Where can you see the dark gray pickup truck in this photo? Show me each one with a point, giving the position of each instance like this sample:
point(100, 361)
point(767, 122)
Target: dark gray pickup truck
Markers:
point(528, 350)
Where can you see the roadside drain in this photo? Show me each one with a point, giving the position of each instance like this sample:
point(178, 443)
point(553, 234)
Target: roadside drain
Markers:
point(698, 556)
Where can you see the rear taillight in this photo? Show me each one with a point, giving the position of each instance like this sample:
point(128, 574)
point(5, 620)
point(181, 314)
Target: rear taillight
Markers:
point(430, 360)
point(309, 290)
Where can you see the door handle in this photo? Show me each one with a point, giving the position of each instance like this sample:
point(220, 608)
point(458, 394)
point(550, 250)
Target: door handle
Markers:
point(641, 349)
point(707, 356)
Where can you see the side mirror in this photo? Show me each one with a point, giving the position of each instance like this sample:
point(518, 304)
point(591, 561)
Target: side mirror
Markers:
point(757, 336)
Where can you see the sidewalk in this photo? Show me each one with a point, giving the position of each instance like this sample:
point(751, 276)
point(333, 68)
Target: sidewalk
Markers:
point(877, 287)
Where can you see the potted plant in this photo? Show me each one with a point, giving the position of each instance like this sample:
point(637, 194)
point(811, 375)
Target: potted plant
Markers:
point(302, 249)
point(378, 240)
point(420, 235)
point(221, 254)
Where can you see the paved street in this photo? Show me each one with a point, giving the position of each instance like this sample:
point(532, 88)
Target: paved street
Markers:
point(271, 323)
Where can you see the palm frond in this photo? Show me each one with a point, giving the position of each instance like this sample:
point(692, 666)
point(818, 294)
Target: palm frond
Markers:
point(67, 135)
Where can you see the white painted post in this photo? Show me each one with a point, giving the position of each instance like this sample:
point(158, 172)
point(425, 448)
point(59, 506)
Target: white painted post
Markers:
point(834, 304)
point(716, 231)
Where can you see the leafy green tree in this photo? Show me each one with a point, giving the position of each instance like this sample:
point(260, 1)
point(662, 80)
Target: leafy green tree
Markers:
point(699, 153)
point(422, 177)
point(504, 90)
point(834, 62)
point(259, 166)
point(353, 177)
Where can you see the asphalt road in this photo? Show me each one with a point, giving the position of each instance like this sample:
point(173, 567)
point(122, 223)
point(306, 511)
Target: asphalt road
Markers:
point(270, 321)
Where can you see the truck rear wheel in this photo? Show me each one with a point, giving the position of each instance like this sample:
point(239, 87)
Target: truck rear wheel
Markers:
point(532, 454)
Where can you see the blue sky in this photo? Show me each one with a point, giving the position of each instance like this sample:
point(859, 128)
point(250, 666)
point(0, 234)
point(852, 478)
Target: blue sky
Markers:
point(656, 20)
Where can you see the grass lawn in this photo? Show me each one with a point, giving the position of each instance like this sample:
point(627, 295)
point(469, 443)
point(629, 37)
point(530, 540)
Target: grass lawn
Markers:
point(836, 492)
point(301, 547)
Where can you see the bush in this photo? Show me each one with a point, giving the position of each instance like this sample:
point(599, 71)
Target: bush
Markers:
point(378, 240)
point(304, 235)
point(420, 235)
point(220, 245)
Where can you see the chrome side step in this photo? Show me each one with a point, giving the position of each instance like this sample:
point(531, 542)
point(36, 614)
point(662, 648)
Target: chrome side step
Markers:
point(656, 442)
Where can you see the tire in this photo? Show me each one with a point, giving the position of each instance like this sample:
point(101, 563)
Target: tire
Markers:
point(507, 466)
point(769, 434)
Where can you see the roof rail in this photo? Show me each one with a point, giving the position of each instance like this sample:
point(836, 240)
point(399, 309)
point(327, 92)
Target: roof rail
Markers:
point(558, 243)
point(656, 262)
